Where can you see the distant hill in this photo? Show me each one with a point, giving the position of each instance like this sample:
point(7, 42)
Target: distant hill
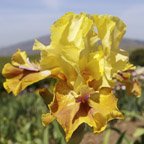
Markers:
point(127, 44)
point(131, 44)
point(26, 46)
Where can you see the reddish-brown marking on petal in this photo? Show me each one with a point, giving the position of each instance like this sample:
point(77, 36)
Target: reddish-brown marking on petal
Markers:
point(62, 87)
point(95, 84)
point(54, 106)
point(85, 73)
point(83, 111)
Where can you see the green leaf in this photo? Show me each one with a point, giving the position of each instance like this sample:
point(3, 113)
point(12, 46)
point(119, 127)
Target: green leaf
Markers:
point(58, 134)
point(46, 136)
point(127, 141)
point(106, 136)
point(139, 132)
point(121, 138)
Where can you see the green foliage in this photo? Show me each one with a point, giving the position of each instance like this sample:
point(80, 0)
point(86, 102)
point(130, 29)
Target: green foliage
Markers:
point(107, 136)
point(132, 106)
point(139, 133)
point(20, 118)
point(137, 57)
point(20, 121)
point(4, 60)
point(120, 140)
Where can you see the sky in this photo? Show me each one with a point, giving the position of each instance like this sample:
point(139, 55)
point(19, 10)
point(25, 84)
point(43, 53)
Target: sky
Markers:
point(22, 20)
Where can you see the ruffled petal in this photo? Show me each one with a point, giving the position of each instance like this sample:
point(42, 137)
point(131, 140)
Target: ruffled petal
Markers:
point(68, 33)
point(64, 109)
point(20, 59)
point(110, 30)
point(18, 79)
point(21, 73)
point(105, 103)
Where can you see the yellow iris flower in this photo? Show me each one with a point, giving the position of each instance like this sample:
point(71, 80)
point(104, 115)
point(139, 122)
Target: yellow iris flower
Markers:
point(84, 57)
